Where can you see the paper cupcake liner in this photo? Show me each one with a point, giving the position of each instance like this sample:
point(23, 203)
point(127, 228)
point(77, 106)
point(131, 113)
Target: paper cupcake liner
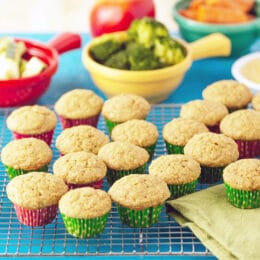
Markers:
point(179, 190)
point(248, 149)
point(84, 228)
point(110, 125)
point(150, 149)
point(174, 149)
point(46, 137)
point(96, 185)
point(211, 175)
point(67, 123)
point(114, 175)
point(214, 128)
point(243, 199)
point(36, 217)
point(11, 172)
point(139, 218)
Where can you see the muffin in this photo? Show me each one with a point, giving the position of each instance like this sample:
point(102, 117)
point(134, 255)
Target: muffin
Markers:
point(81, 138)
point(35, 197)
point(139, 199)
point(213, 152)
point(80, 169)
point(208, 112)
point(85, 211)
point(230, 93)
point(180, 172)
point(79, 107)
point(124, 107)
point(179, 131)
point(123, 159)
point(244, 127)
point(32, 121)
point(138, 132)
point(242, 181)
point(25, 155)
point(256, 101)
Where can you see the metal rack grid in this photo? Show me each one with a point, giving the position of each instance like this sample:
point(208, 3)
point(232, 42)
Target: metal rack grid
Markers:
point(164, 238)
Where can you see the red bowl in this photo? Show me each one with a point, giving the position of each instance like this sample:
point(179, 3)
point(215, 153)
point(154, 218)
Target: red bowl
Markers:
point(22, 91)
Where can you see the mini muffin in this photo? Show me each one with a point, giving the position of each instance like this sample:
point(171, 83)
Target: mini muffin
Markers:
point(208, 112)
point(138, 132)
point(230, 93)
point(35, 197)
point(213, 152)
point(81, 138)
point(244, 127)
point(85, 211)
point(32, 121)
point(180, 172)
point(79, 107)
point(179, 131)
point(26, 155)
point(124, 107)
point(80, 169)
point(139, 199)
point(256, 101)
point(242, 181)
point(123, 159)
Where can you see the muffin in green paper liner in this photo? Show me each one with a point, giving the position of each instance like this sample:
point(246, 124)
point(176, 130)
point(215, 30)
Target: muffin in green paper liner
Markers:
point(26, 155)
point(124, 107)
point(139, 132)
point(123, 159)
point(139, 199)
point(180, 172)
point(213, 152)
point(85, 211)
point(242, 182)
point(179, 131)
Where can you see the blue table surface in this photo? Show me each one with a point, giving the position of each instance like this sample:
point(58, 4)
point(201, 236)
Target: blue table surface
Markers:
point(71, 74)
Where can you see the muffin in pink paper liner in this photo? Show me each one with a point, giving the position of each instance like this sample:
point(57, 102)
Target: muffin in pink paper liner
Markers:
point(35, 197)
point(79, 107)
point(32, 121)
point(244, 127)
point(80, 169)
point(208, 112)
point(25, 155)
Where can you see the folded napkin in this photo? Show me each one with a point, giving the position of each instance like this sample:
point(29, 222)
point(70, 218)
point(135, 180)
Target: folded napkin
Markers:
point(228, 232)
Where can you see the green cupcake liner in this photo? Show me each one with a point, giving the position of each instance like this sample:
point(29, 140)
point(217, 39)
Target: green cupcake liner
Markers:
point(211, 175)
point(16, 172)
point(85, 228)
point(139, 218)
point(114, 175)
point(150, 149)
point(243, 199)
point(174, 149)
point(179, 190)
point(110, 125)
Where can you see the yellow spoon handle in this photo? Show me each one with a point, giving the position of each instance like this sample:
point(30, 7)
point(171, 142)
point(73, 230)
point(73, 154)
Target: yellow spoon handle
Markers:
point(213, 45)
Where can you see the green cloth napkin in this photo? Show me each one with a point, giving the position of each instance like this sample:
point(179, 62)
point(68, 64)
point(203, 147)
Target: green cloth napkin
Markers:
point(228, 232)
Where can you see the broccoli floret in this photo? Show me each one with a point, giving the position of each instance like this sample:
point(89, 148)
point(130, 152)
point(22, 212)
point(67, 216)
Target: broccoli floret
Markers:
point(118, 60)
point(146, 30)
point(168, 51)
point(104, 46)
point(142, 58)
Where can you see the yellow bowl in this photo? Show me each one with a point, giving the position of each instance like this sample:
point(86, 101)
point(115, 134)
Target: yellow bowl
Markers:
point(154, 85)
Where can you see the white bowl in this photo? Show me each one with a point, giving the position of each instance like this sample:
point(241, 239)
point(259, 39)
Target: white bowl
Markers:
point(239, 64)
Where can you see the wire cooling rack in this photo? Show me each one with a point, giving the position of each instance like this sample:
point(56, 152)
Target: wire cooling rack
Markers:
point(164, 238)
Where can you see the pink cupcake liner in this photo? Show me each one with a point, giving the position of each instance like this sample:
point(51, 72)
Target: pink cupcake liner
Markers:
point(95, 185)
point(67, 123)
point(248, 149)
point(36, 217)
point(214, 128)
point(46, 137)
